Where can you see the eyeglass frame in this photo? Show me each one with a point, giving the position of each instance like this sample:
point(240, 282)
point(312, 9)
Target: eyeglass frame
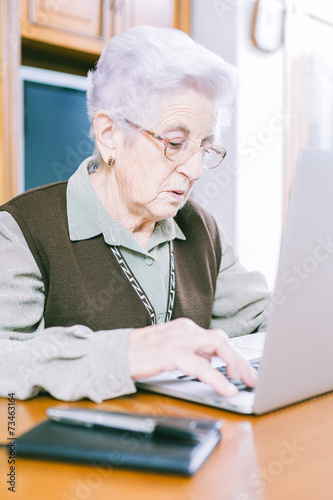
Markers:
point(165, 141)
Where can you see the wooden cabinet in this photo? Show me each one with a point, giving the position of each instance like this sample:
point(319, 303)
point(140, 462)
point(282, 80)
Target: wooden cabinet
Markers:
point(80, 25)
point(75, 16)
point(86, 25)
point(129, 13)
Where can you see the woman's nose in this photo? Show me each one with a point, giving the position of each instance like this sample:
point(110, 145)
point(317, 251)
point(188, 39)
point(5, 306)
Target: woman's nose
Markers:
point(192, 168)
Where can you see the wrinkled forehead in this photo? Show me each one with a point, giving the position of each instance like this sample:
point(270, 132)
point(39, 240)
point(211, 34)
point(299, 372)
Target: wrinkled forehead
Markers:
point(188, 111)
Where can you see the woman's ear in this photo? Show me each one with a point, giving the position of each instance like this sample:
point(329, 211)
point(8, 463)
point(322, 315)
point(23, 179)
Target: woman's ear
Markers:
point(104, 129)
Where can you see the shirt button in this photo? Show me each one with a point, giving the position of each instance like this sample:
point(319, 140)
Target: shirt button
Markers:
point(149, 261)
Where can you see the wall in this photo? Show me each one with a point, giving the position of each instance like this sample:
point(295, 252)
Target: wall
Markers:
point(216, 190)
point(247, 196)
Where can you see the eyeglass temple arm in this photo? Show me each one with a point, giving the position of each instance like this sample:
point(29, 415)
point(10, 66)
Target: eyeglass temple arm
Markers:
point(150, 132)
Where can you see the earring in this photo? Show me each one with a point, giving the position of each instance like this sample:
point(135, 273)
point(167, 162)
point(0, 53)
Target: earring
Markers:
point(110, 161)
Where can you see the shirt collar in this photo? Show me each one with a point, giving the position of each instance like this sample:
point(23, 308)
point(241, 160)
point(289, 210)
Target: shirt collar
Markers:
point(87, 217)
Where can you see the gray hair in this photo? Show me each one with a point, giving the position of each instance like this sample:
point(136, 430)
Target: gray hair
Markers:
point(138, 67)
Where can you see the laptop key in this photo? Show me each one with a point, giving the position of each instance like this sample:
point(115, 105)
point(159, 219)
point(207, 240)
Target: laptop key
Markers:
point(238, 383)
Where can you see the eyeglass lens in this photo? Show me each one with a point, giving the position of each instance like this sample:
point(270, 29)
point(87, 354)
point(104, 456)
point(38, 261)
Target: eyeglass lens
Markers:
point(179, 149)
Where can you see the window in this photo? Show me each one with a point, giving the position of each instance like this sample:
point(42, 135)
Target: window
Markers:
point(309, 79)
point(319, 45)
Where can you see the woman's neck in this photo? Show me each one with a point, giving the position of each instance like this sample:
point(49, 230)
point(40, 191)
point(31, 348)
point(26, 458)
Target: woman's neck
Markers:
point(140, 228)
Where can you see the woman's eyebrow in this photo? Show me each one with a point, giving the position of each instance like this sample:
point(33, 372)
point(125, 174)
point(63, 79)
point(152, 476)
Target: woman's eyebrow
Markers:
point(183, 128)
point(175, 127)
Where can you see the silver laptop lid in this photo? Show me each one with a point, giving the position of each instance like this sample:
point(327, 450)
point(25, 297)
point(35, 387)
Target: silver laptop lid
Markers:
point(301, 325)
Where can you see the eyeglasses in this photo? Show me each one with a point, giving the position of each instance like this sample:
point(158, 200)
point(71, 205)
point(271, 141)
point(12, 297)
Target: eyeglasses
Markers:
point(181, 149)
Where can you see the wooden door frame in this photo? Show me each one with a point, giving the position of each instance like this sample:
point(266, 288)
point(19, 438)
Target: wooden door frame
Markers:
point(182, 15)
point(10, 54)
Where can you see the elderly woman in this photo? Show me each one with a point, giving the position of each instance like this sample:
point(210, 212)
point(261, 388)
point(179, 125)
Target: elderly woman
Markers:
point(117, 274)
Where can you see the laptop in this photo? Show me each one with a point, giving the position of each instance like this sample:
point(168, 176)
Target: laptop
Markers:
point(296, 352)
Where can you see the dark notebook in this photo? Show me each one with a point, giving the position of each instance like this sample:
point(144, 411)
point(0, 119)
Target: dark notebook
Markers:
point(118, 448)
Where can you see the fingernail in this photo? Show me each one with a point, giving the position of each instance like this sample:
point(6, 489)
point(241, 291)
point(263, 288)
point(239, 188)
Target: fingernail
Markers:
point(232, 390)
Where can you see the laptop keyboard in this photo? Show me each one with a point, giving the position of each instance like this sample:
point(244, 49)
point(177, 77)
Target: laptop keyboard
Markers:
point(238, 383)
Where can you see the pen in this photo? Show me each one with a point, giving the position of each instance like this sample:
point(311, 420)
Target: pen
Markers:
point(134, 422)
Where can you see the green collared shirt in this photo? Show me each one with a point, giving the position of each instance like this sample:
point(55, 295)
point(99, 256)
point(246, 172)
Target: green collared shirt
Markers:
point(74, 362)
point(87, 218)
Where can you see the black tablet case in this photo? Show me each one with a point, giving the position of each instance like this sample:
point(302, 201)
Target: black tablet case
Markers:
point(109, 447)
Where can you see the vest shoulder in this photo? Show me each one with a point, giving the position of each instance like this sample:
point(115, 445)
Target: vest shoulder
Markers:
point(48, 191)
point(192, 212)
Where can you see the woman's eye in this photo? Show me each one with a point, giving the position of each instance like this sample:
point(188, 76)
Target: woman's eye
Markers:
point(176, 143)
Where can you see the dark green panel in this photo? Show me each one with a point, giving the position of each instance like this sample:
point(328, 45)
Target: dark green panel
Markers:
point(56, 129)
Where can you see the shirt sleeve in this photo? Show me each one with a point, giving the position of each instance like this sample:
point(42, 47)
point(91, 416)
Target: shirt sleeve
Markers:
point(70, 363)
point(242, 299)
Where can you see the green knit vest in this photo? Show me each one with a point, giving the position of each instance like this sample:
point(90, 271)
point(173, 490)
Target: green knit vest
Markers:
point(85, 285)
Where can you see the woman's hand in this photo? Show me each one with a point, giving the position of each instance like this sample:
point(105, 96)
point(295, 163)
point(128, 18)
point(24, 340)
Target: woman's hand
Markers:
point(183, 345)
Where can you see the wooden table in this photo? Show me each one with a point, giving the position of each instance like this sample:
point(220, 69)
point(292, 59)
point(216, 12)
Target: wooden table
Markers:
point(285, 455)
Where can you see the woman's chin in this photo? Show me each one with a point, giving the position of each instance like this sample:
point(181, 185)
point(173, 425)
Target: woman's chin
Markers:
point(171, 210)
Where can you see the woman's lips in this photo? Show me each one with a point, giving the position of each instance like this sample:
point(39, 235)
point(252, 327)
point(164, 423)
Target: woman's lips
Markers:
point(178, 194)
